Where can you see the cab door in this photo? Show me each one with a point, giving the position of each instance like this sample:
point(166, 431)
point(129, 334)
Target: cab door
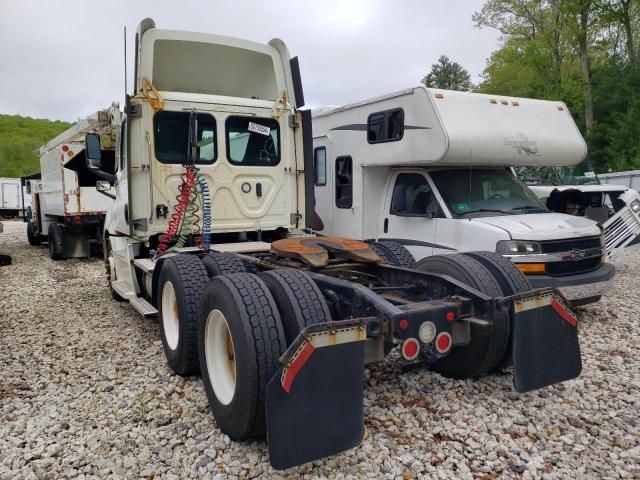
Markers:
point(409, 212)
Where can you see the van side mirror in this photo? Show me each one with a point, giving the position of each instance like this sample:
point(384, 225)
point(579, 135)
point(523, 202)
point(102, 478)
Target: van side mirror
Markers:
point(92, 151)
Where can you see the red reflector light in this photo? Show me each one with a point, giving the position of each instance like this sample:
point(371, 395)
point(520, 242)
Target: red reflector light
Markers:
point(404, 324)
point(77, 220)
point(451, 316)
point(410, 348)
point(65, 148)
point(443, 342)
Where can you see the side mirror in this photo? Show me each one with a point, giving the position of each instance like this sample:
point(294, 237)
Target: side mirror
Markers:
point(92, 151)
point(103, 186)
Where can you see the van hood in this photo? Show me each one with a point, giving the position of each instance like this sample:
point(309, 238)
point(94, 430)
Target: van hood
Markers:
point(543, 226)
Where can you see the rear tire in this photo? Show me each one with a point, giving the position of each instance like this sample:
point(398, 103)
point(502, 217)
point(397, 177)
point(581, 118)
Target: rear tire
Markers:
point(181, 282)
point(511, 281)
point(218, 263)
point(488, 344)
point(33, 238)
point(299, 300)
point(56, 241)
point(239, 306)
point(394, 253)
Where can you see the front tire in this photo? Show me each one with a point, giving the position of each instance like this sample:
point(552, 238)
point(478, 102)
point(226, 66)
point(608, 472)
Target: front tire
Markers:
point(181, 282)
point(239, 316)
point(394, 253)
point(33, 238)
point(56, 241)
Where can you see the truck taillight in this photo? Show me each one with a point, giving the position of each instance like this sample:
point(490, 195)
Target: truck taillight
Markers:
point(76, 220)
point(410, 348)
point(443, 342)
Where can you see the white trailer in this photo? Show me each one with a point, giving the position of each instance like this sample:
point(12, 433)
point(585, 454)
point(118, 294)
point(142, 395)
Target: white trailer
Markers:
point(12, 198)
point(577, 190)
point(629, 178)
point(431, 169)
point(67, 211)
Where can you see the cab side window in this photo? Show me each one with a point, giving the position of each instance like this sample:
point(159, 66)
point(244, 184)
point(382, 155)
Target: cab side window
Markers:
point(413, 197)
point(320, 166)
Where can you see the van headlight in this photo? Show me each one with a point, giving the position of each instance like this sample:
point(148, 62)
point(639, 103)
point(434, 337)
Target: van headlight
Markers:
point(635, 206)
point(517, 247)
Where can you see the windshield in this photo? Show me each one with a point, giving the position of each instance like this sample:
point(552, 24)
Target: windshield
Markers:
point(485, 190)
point(581, 174)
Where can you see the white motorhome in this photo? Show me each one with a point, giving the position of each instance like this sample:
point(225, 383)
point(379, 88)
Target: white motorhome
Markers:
point(577, 190)
point(67, 211)
point(431, 169)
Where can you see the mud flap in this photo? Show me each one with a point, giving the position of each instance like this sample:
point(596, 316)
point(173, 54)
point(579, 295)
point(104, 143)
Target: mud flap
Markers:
point(314, 402)
point(545, 342)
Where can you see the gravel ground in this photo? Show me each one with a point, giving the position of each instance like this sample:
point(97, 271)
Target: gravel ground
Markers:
point(85, 392)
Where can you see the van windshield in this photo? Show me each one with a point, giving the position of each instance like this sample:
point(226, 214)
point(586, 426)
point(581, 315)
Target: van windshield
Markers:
point(485, 192)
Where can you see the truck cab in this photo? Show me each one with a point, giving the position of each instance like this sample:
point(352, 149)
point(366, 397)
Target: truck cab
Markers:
point(431, 169)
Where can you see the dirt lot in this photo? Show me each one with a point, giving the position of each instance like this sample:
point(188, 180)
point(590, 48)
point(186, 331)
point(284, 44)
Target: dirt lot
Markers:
point(85, 392)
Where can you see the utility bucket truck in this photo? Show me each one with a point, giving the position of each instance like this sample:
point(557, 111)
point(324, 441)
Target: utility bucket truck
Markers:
point(431, 169)
point(207, 233)
point(66, 210)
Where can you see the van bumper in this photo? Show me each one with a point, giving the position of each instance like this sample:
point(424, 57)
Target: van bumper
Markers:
point(582, 288)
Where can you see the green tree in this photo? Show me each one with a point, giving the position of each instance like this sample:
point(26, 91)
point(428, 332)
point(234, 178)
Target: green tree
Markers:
point(584, 52)
point(448, 75)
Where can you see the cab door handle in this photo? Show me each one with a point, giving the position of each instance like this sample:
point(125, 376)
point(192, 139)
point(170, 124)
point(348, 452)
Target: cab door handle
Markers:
point(385, 227)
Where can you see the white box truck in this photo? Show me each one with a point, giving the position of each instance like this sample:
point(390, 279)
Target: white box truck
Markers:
point(67, 211)
point(577, 190)
point(12, 198)
point(431, 169)
point(205, 233)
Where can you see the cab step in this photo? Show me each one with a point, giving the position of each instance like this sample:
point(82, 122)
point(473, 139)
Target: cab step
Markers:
point(143, 307)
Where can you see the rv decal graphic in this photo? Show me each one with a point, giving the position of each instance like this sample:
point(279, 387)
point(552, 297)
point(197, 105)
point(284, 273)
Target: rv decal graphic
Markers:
point(522, 144)
point(362, 127)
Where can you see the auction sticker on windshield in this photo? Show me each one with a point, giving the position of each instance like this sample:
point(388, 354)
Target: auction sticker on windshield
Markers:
point(257, 128)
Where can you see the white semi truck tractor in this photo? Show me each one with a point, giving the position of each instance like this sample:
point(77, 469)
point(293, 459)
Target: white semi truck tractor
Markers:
point(207, 232)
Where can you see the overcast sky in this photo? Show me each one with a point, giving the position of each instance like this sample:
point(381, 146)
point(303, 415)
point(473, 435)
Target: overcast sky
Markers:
point(63, 59)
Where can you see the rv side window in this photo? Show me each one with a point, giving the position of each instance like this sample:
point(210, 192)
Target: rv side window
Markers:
point(412, 196)
point(344, 182)
point(253, 141)
point(387, 126)
point(320, 166)
point(171, 137)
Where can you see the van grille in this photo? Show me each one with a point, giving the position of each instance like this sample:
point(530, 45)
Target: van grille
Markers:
point(573, 267)
point(569, 244)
